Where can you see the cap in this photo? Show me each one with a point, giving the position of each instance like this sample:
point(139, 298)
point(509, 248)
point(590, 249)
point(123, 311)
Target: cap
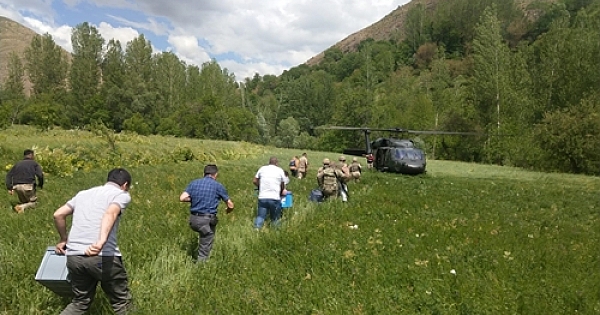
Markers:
point(326, 161)
point(342, 158)
point(354, 159)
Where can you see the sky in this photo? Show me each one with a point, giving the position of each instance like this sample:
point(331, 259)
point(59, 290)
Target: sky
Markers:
point(244, 36)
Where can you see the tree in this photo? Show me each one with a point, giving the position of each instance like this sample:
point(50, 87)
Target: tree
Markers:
point(491, 62)
point(288, 130)
point(139, 84)
point(85, 73)
point(46, 65)
point(570, 137)
point(170, 75)
point(13, 90)
point(113, 90)
point(416, 26)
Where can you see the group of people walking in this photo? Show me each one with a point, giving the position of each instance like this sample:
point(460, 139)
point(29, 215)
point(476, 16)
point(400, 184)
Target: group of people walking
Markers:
point(91, 243)
point(333, 178)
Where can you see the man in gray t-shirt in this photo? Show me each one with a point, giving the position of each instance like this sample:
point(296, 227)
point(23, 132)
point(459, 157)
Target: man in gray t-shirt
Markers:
point(91, 246)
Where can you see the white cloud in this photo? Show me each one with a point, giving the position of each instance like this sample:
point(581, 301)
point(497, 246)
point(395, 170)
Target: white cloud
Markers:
point(151, 25)
point(60, 34)
point(122, 34)
point(267, 36)
point(247, 70)
point(188, 49)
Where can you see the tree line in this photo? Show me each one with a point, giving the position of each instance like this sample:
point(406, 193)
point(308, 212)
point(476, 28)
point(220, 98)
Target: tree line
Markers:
point(526, 79)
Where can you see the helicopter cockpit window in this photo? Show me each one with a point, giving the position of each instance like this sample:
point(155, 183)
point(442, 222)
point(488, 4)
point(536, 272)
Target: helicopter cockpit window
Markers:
point(403, 154)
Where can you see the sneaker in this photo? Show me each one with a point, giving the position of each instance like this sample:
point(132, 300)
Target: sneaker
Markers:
point(19, 209)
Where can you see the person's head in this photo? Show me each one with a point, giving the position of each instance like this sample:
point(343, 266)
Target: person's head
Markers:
point(273, 161)
point(295, 156)
point(121, 177)
point(354, 159)
point(326, 162)
point(28, 153)
point(342, 158)
point(304, 154)
point(211, 170)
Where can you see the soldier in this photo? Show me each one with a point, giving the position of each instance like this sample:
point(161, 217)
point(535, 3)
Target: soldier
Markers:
point(346, 171)
point(302, 166)
point(328, 178)
point(355, 170)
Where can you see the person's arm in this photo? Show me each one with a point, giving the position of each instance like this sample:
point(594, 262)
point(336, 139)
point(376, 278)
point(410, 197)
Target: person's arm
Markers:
point(40, 176)
point(185, 197)
point(256, 181)
point(108, 221)
point(60, 222)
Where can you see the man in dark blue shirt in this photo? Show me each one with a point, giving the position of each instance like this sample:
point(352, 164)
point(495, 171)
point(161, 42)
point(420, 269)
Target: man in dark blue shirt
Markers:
point(204, 195)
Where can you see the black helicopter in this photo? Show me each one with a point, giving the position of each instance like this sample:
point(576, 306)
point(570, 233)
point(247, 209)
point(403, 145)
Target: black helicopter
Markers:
point(392, 154)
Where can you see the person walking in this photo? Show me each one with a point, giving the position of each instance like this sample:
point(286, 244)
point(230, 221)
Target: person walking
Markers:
point(302, 166)
point(294, 162)
point(91, 245)
point(355, 170)
point(204, 196)
point(270, 180)
point(21, 179)
point(343, 166)
point(328, 178)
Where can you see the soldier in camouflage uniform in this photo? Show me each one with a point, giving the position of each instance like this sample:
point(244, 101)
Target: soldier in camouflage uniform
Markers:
point(302, 166)
point(355, 170)
point(328, 178)
point(343, 166)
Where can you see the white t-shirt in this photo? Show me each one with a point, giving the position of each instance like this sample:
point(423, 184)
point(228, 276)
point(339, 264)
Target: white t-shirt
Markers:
point(89, 207)
point(270, 178)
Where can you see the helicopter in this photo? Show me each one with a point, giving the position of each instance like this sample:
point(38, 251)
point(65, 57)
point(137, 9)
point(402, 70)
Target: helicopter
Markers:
point(392, 154)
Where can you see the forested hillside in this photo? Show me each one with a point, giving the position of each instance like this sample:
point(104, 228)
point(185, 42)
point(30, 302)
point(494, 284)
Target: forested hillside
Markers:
point(527, 77)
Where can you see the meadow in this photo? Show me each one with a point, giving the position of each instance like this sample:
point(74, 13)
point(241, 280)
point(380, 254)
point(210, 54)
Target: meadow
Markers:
point(461, 239)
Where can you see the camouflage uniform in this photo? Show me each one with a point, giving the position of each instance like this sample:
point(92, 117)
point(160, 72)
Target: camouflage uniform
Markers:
point(302, 166)
point(346, 171)
point(328, 178)
point(355, 170)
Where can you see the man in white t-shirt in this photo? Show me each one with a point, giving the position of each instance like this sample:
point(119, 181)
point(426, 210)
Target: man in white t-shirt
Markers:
point(91, 244)
point(270, 180)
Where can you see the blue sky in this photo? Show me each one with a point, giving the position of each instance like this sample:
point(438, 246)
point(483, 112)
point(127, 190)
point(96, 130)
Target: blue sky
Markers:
point(244, 36)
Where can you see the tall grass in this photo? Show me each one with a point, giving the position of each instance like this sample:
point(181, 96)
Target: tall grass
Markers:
point(462, 239)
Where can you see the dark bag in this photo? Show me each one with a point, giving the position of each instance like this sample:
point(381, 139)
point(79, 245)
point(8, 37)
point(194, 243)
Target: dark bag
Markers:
point(316, 195)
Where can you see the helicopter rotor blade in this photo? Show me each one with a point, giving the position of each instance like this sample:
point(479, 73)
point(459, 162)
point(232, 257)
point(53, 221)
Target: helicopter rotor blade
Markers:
point(437, 132)
point(402, 130)
point(341, 128)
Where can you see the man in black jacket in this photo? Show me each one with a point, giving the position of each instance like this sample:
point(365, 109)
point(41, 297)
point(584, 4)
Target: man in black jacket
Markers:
point(21, 179)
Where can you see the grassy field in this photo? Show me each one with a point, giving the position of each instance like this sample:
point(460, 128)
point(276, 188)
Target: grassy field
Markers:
point(462, 239)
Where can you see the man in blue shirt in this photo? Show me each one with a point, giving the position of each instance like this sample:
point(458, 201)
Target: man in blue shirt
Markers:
point(204, 195)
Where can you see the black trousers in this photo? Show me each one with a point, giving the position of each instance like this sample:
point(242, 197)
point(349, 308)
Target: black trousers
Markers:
point(85, 272)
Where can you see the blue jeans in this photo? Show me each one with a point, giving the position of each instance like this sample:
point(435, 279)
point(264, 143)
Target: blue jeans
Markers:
point(270, 206)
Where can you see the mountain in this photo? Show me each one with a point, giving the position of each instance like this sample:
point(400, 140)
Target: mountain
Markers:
point(388, 27)
point(14, 37)
point(392, 26)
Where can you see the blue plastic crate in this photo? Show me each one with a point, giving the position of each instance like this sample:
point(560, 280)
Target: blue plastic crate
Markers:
point(53, 273)
point(288, 200)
